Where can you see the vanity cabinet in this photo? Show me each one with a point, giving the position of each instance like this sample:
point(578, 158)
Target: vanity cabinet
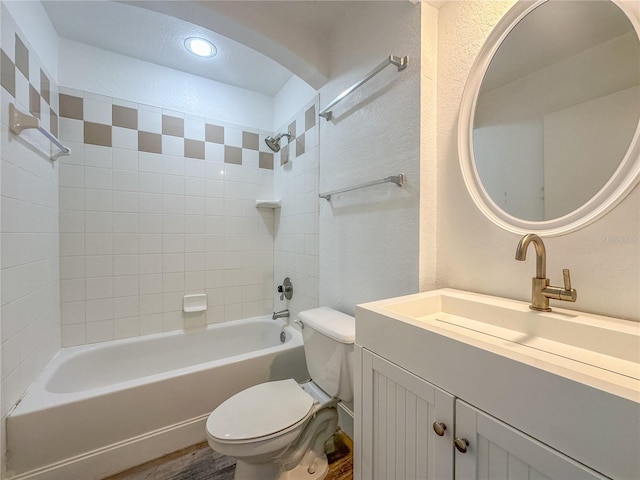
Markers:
point(409, 428)
point(398, 411)
point(497, 451)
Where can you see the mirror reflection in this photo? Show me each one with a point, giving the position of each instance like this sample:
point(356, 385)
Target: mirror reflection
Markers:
point(558, 108)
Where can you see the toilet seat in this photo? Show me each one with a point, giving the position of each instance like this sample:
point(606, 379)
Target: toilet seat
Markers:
point(260, 411)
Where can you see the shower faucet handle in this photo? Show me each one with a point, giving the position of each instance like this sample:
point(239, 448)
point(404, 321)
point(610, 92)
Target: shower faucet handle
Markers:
point(286, 289)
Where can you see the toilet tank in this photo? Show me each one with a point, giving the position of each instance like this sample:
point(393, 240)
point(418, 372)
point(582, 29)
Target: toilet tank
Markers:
point(328, 337)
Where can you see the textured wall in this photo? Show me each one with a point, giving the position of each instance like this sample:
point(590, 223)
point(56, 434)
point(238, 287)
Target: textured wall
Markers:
point(476, 255)
point(30, 315)
point(369, 238)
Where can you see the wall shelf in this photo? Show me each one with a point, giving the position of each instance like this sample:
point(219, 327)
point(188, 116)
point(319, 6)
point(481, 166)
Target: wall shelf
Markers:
point(268, 204)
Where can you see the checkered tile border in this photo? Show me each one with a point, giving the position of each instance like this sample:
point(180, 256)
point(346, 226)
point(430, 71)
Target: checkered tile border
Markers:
point(149, 129)
point(41, 94)
point(297, 144)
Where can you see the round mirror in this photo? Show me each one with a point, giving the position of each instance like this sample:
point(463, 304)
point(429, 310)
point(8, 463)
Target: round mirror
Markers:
point(550, 116)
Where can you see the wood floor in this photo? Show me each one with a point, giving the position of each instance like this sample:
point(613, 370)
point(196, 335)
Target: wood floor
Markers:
point(199, 462)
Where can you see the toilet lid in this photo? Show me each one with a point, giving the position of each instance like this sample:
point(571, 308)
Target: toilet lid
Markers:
point(260, 411)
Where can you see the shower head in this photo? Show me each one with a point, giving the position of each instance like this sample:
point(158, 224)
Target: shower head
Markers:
point(274, 142)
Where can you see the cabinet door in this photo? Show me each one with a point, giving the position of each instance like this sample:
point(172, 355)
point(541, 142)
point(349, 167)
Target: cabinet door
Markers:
point(398, 412)
point(497, 451)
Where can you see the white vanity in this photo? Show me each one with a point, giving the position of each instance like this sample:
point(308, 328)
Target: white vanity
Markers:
point(451, 384)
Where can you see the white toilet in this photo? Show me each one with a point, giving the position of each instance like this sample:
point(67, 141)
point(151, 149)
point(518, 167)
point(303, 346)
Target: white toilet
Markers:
point(277, 430)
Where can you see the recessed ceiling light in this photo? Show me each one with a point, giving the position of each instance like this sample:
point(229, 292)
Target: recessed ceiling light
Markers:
point(200, 47)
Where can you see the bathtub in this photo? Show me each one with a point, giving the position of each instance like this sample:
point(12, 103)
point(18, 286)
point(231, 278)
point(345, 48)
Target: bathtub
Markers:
point(99, 409)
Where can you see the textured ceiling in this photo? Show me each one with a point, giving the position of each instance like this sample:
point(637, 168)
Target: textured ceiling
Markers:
point(158, 38)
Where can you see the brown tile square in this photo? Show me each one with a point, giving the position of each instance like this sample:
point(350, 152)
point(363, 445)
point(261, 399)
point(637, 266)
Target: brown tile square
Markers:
point(7, 74)
point(53, 127)
point(310, 118)
point(300, 145)
point(214, 133)
point(173, 126)
point(232, 155)
point(97, 134)
point(250, 140)
point(124, 117)
point(292, 129)
point(149, 142)
point(34, 101)
point(22, 57)
point(266, 160)
point(284, 155)
point(194, 148)
point(71, 107)
point(45, 87)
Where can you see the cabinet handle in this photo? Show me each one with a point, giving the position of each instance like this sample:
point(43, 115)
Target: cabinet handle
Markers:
point(439, 428)
point(461, 444)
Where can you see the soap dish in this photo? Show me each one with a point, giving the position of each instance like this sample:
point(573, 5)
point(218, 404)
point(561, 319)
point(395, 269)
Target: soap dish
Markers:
point(194, 303)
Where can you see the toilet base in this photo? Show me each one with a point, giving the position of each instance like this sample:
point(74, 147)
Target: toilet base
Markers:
point(274, 471)
point(320, 468)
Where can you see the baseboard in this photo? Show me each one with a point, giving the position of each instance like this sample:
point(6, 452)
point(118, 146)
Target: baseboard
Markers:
point(103, 462)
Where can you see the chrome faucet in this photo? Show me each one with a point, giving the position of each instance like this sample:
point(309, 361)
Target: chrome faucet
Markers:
point(281, 314)
point(541, 291)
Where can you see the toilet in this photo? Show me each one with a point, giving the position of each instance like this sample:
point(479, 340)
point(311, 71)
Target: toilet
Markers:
point(277, 430)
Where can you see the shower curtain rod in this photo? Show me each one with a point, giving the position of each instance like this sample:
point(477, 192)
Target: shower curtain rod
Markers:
point(19, 121)
point(400, 62)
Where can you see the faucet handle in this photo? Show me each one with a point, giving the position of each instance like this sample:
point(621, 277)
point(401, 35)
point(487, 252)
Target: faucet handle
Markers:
point(567, 279)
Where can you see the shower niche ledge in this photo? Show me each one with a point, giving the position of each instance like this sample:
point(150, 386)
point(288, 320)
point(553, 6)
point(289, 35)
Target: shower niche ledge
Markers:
point(273, 204)
point(559, 390)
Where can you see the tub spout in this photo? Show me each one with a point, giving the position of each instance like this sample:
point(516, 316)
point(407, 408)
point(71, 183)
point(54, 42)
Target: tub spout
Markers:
point(281, 314)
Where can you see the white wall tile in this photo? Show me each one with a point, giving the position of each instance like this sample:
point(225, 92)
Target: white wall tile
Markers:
point(194, 128)
point(99, 287)
point(98, 156)
point(233, 137)
point(71, 175)
point(126, 307)
point(149, 120)
point(172, 145)
point(125, 180)
point(126, 285)
point(172, 164)
point(126, 327)
point(98, 265)
point(97, 111)
point(72, 313)
point(125, 159)
point(150, 324)
point(99, 331)
point(99, 309)
point(100, 178)
point(124, 138)
point(150, 182)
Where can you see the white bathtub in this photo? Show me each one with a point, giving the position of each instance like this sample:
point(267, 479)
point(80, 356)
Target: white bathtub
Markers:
point(99, 409)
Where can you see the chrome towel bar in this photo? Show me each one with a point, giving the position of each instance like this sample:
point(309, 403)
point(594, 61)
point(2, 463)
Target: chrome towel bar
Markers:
point(400, 62)
point(19, 121)
point(397, 179)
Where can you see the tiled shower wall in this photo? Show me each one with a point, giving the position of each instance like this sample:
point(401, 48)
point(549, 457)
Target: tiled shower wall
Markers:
point(30, 315)
point(156, 204)
point(296, 224)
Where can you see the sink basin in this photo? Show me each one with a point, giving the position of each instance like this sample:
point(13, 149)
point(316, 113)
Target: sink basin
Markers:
point(605, 343)
point(571, 380)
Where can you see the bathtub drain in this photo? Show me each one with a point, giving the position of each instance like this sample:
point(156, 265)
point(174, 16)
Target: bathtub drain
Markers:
point(283, 337)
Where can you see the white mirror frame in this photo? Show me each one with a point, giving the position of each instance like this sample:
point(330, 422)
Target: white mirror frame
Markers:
point(621, 183)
